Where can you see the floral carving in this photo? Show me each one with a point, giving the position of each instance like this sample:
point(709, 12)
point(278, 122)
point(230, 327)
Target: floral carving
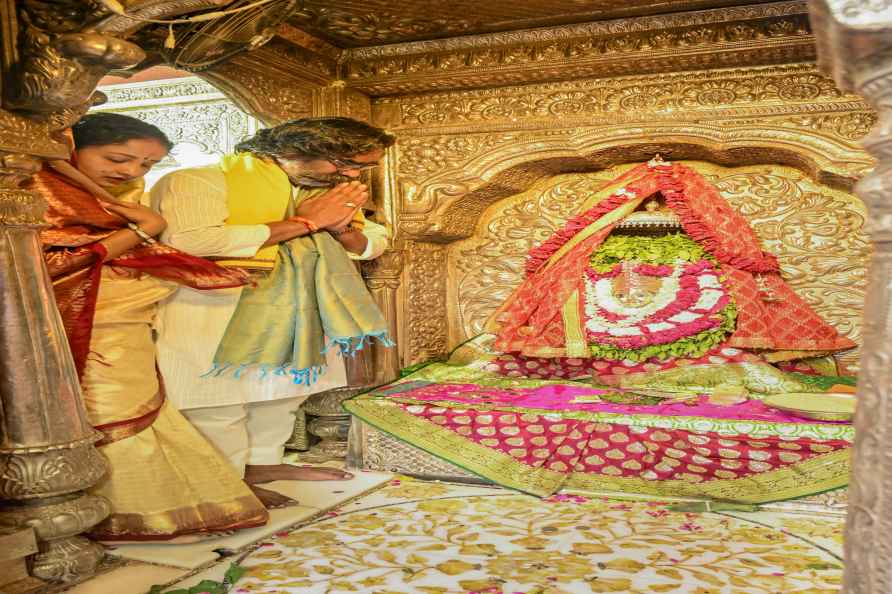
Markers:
point(704, 90)
point(357, 28)
point(422, 157)
point(555, 53)
point(851, 126)
point(425, 324)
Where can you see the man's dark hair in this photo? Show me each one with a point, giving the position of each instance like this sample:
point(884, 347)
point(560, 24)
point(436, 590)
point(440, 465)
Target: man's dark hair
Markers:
point(317, 138)
point(100, 129)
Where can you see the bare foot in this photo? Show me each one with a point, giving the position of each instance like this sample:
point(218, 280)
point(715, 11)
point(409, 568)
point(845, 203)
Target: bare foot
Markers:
point(255, 475)
point(271, 499)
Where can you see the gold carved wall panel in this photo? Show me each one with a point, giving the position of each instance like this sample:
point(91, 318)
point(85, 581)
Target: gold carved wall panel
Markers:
point(781, 141)
point(789, 85)
point(772, 33)
point(424, 335)
point(816, 232)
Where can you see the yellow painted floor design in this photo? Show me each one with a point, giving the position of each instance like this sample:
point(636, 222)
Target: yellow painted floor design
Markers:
point(430, 538)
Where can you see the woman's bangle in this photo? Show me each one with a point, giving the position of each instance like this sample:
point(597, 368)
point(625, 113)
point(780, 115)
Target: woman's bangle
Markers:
point(307, 222)
point(141, 234)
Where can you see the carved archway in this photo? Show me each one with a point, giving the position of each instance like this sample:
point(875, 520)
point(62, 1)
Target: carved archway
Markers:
point(507, 171)
point(457, 207)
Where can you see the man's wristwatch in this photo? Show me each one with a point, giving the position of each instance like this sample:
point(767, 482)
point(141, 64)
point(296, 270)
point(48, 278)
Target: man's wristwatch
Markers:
point(146, 238)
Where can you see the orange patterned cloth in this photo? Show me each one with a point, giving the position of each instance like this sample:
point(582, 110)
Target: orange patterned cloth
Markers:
point(75, 257)
point(770, 316)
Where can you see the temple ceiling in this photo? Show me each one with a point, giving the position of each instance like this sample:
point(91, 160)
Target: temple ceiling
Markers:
point(361, 23)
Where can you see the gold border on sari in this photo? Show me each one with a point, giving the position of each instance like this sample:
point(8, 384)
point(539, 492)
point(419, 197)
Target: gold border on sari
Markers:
point(118, 430)
point(236, 514)
point(814, 475)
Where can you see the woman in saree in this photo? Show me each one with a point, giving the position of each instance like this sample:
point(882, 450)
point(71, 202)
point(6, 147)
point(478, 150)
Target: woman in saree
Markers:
point(109, 274)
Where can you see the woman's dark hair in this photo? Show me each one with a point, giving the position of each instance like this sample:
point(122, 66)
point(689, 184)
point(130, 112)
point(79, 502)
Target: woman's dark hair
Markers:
point(99, 129)
point(317, 138)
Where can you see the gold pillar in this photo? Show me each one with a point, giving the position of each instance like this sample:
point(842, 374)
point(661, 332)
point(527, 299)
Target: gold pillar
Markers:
point(47, 458)
point(855, 44)
point(382, 277)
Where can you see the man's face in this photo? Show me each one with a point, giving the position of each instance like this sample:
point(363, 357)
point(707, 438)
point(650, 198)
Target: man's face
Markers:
point(326, 173)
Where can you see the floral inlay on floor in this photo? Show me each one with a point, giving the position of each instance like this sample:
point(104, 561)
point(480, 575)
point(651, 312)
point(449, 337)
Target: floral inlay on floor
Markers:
point(430, 538)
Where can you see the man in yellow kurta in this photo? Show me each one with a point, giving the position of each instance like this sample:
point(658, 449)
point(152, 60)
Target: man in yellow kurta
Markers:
point(287, 205)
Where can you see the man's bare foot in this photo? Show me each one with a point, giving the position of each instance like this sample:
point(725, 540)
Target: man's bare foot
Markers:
point(271, 499)
point(256, 475)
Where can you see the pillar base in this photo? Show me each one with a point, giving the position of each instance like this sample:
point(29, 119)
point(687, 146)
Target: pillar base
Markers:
point(67, 559)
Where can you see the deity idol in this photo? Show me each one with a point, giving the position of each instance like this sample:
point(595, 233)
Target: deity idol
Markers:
point(641, 355)
point(659, 284)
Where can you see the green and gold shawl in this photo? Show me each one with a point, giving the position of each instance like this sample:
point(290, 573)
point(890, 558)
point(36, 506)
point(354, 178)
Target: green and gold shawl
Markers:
point(313, 291)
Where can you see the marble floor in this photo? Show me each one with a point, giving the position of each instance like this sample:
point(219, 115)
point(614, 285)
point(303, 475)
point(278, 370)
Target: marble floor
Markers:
point(385, 534)
point(415, 537)
point(135, 568)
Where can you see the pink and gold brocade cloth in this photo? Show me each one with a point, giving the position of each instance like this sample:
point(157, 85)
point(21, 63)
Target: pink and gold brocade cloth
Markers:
point(543, 435)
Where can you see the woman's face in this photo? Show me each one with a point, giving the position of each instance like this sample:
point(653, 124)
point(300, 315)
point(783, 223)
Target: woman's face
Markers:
point(113, 164)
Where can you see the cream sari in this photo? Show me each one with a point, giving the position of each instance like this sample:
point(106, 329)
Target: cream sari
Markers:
point(164, 478)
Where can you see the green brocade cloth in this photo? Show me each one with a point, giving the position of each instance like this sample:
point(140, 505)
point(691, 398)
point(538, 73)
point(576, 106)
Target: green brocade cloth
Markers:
point(313, 292)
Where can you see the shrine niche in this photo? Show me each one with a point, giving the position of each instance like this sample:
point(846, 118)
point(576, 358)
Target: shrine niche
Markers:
point(816, 231)
point(480, 176)
point(506, 121)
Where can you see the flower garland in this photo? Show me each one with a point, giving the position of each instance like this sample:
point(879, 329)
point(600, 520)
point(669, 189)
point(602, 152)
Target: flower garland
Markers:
point(690, 312)
point(539, 255)
point(676, 183)
point(662, 250)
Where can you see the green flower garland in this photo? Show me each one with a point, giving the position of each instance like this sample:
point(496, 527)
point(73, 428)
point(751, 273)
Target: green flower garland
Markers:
point(691, 346)
point(665, 249)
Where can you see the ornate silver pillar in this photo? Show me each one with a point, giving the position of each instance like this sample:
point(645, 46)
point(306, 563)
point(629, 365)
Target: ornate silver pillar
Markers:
point(47, 459)
point(327, 421)
point(46, 444)
point(855, 45)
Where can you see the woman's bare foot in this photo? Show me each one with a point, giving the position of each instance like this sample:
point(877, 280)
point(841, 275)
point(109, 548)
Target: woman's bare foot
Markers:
point(271, 499)
point(256, 475)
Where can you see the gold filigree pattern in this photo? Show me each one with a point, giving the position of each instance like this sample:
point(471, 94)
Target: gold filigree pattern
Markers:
point(426, 291)
point(423, 157)
point(734, 89)
point(352, 23)
point(610, 48)
point(262, 93)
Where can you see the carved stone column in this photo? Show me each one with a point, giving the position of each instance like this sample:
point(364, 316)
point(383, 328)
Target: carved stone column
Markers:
point(855, 45)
